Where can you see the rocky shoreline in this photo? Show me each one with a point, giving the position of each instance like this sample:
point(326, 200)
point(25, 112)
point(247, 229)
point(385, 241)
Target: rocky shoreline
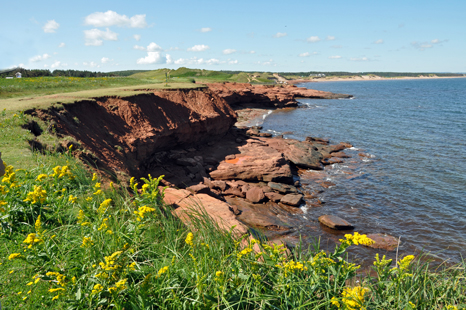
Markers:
point(240, 176)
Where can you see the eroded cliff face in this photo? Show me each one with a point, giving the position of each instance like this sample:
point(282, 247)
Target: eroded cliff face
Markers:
point(124, 133)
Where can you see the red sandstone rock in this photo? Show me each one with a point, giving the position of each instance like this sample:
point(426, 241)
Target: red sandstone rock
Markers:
point(255, 195)
point(335, 222)
point(292, 199)
point(383, 241)
point(275, 197)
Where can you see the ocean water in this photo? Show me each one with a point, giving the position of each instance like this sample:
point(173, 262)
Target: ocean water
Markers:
point(407, 173)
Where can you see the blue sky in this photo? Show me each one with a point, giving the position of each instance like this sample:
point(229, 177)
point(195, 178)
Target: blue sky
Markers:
point(254, 35)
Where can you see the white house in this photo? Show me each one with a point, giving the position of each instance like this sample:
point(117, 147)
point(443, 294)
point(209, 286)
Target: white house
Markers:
point(18, 75)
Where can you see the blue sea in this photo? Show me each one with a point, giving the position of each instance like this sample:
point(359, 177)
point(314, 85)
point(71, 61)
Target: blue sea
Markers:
point(407, 173)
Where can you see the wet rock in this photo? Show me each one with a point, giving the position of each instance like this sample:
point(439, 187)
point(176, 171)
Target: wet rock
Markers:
point(335, 222)
point(292, 199)
point(255, 195)
point(340, 155)
point(275, 197)
point(282, 188)
point(327, 184)
point(302, 154)
point(331, 161)
point(317, 140)
point(265, 134)
point(383, 241)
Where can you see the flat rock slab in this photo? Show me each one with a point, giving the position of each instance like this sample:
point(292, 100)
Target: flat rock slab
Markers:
point(383, 241)
point(282, 188)
point(255, 195)
point(292, 199)
point(335, 222)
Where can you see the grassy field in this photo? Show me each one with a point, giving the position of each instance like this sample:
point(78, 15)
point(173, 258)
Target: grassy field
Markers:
point(70, 240)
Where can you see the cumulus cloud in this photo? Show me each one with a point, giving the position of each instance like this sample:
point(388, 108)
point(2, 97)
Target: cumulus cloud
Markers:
point(39, 58)
point(57, 64)
point(138, 47)
point(229, 51)
point(104, 60)
point(380, 41)
point(153, 47)
point(334, 57)
point(95, 37)
point(198, 61)
point(152, 58)
point(425, 45)
point(206, 29)
point(306, 54)
point(330, 38)
point(280, 34)
point(62, 45)
point(51, 26)
point(313, 39)
point(111, 18)
point(137, 37)
point(198, 48)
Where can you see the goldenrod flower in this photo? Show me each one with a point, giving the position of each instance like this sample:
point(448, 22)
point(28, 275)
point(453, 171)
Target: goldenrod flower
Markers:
point(72, 199)
point(189, 239)
point(31, 239)
point(356, 239)
point(104, 205)
point(97, 288)
point(404, 263)
point(219, 274)
point(38, 195)
point(41, 176)
point(14, 255)
point(104, 224)
point(38, 225)
point(353, 298)
point(87, 242)
point(97, 185)
point(162, 271)
point(53, 290)
point(142, 211)
point(98, 192)
point(94, 176)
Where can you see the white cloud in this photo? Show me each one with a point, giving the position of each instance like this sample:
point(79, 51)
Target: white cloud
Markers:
point(198, 48)
point(380, 41)
point(233, 62)
point(359, 59)
point(154, 58)
point(138, 47)
point(266, 63)
point(280, 34)
point(313, 39)
point(57, 64)
point(39, 58)
point(252, 52)
point(152, 47)
point(198, 61)
point(306, 54)
point(111, 18)
point(424, 45)
point(104, 60)
point(169, 59)
point(95, 37)
point(206, 29)
point(91, 64)
point(62, 45)
point(229, 51)
point(137, 37)
point(330, 38)
point(50, 26)
point(334, 57)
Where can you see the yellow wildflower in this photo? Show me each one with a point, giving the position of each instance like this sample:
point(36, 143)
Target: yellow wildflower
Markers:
point(14, 255)
point(353, 298)
point(162, 271)
point(38, 195)
point(381, 262)
point(189, 239)
point(72, 199)
point(53, 290)
point(70, 147)
point(335, 302)
point(104, 224)
point(81, 216)
point(56, 297)
point(31, 239)
point(41, 176)
point(104, 205)
point(219, 274)
point(38, 225)
point(87, 242)
point(30, 283)
point(97, 185)
point(144, 188)
point(356, 239)
point(132, 266)
point(412, 305)
point(142, 211)
point(404, 263)
point(89, 199)
point(94, 176)
point(97, 288)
